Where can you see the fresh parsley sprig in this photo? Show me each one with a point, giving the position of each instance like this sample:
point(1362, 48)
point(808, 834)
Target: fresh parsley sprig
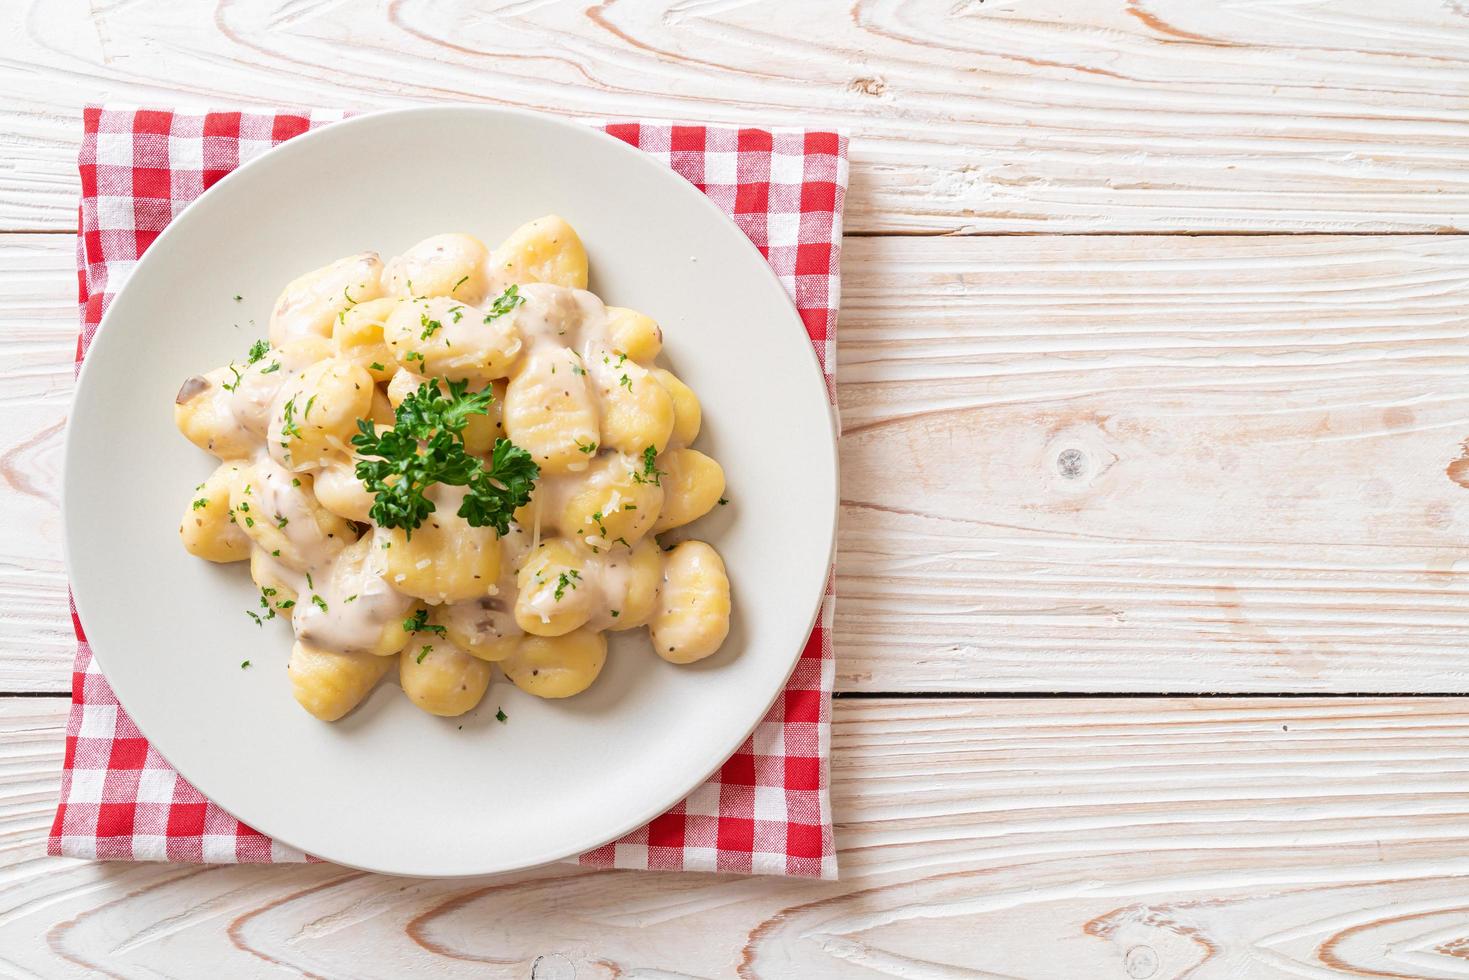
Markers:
point(426, 446)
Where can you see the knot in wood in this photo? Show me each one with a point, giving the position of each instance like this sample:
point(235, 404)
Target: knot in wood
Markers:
point(1071, 463)
point(1140, 962)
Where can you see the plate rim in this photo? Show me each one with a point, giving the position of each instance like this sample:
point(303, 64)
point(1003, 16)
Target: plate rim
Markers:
point(73, 469)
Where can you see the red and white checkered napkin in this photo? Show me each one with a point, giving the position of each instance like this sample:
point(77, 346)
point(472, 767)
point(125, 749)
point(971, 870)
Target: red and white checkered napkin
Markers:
point(767, 810)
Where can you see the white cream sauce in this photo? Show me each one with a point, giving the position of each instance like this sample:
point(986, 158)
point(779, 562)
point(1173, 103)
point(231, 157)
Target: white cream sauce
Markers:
point(356, 605)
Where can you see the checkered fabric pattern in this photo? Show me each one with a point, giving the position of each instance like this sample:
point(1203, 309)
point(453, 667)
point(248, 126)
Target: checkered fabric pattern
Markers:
point(767, 809)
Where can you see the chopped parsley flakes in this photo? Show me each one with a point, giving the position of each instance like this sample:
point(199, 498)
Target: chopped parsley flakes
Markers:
point(418, 623)
point(565, 579)
point(504, 303)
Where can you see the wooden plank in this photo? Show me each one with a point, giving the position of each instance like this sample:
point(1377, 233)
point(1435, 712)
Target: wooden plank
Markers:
point(1076, 464)
point(1124, 464)
point(1048, 115)
point(37, 345)
point(1021, 838)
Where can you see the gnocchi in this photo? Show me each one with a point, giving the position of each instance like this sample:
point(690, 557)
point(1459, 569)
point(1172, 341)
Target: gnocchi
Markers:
point(456, 459)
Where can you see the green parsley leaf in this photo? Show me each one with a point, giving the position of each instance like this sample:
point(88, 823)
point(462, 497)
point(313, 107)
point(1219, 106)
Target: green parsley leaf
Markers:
point(626, 382)
point(504, 303)
point(201, 503)
point(461, 282)
point(376, 366)
point(418, 623)
point(319, 602)
point(258, 350)
point(274, 367)
point(589, 448)
point(232, 386)
point(244, 664)
point(501, 716)
point(289, 427)
point(498, 490)
point(422, 653)
point(429, 326)
point(723, 501)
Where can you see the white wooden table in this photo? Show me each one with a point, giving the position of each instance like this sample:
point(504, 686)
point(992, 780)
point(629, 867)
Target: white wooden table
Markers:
point(1154, 555)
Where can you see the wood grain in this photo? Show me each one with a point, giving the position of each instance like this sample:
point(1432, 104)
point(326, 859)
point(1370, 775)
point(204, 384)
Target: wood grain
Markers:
point(1077, 464)
point(967, 116)
point(1121, 464)
point(1134, 838)
point(37, 345)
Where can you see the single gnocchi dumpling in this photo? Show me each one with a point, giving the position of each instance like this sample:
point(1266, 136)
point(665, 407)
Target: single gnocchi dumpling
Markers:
point(483, 627)
point(329, 684)
point(555, 596)
point(339, 491)
point(634, 334)
point(350, 607)
point(632, 579)
point(692, 484)
point(637, 411)
point(550, 411)
point(613, 505)
point(315, 414)
point(209, 529)
point(203, 411)
point(444, 559)
point(442, 337)
point(557, 666)
point(444, 265)
point(358, 337)
point(282, 516)
point(314, 303)
point(544, 250)
point(687, 415)
point(441, 678)
point(692, 616)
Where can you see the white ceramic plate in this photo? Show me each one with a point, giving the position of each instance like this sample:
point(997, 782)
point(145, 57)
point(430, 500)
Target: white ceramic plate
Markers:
point(390, 788)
